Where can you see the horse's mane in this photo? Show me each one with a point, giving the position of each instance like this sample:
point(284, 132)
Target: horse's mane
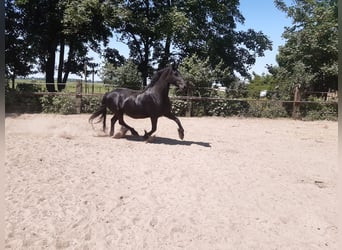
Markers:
point(156, 77)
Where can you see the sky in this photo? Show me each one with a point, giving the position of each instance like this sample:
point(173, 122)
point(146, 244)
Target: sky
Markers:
point(263, 16)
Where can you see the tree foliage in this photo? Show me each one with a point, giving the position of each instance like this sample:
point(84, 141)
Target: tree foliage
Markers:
point(310, 54)
point(18, 52)
point(84, 28)
point(159, 32)
point(52, 25)
point(156, 32)
point(262, 82)
point(125, 75)
point(199, 73)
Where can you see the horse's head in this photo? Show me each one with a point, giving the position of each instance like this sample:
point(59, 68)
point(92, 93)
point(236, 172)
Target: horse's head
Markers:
point(176, 77)
point(168, 75)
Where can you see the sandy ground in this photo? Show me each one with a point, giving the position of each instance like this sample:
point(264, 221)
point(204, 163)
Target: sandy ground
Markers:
point(232, 183)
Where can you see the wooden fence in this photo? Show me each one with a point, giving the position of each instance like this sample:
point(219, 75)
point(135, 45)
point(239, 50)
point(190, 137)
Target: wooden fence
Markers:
point(83, 90)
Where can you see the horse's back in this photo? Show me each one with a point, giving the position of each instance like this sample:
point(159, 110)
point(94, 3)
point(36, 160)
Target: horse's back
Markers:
point(115, 98)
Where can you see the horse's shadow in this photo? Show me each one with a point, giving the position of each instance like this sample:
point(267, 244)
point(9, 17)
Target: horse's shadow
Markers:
point(168, 141)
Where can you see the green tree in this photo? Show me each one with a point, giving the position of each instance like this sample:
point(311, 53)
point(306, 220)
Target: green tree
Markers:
point(113, 57)
point(212, 33)
point(157, 32)
point(84, 27)
point(196, 72)
point(164, 31)
point(19, 55)
point(261, 82)
point(199, 74)
point(126, 75)
point(59, 24)
point(310, 54)
point(42, 24)
point(137, 27)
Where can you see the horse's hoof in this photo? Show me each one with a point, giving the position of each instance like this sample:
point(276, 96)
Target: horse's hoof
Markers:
point(123, 131)
point(150, 139)
point(181, 134)
point(117, 135)
point(146, 135)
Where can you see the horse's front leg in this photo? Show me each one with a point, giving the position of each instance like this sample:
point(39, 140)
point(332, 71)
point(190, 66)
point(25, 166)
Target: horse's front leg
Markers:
point(180, 127)
point(154, 128)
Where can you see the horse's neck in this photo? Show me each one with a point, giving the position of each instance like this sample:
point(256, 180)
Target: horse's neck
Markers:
point(162, 88)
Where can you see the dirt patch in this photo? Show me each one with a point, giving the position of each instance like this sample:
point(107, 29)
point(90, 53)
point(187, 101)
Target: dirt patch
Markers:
point(231, 183)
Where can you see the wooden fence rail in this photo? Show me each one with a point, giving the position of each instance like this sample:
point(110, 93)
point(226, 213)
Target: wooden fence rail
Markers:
point(80, 90)
point(188, 99)
point(183, 98)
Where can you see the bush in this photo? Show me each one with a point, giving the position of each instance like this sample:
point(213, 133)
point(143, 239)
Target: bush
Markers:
point(319, 111)
point(28, 87)
point(47, 106)
point(267, 109)
point(228, 108)
point(90, 103)
point(58, 104)
point(21, 99)
point(199, 108)
point(179, 107)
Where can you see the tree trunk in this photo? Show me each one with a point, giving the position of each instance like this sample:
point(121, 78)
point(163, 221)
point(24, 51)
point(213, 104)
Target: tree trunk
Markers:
point(65, 77)
point(50, 69)
point(144, 64)
point(67, 67)
point(13, 81)
point(166, 54)
point(60, 83)
point(296, 103)
point(144, 73)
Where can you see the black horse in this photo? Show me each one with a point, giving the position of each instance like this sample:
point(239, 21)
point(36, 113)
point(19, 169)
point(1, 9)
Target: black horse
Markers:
point(152, 102)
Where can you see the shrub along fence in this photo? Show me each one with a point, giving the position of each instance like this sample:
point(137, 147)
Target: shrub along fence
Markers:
point(29, 98)
point(201, 106)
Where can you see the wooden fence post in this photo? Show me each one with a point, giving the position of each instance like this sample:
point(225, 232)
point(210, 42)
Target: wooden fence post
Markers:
point(296, 103)
point(78, 97)
point(188, 103)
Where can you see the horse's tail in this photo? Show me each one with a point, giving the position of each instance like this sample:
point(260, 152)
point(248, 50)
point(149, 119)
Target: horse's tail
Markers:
point(102, 112)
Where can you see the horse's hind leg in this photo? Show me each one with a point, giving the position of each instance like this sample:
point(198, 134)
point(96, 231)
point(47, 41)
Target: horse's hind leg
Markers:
point(123, 123)
point(121, 133)
point(112, 123)
point(180, 127)
point(104, 123)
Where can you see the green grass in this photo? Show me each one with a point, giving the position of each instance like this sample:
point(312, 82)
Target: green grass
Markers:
point(99, 88)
